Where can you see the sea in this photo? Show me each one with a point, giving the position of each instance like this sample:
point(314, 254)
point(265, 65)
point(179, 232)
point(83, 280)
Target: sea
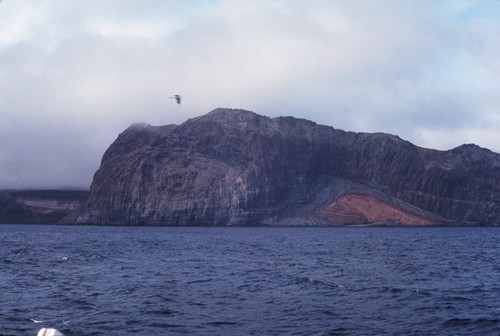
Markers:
point(89, 280)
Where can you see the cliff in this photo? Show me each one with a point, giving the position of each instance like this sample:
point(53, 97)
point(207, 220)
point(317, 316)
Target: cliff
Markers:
point(235, 167)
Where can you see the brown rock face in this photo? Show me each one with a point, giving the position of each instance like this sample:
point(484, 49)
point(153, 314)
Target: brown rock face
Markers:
point(234, 167)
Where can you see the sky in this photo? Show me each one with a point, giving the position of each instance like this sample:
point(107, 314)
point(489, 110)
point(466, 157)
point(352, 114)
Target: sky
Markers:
point(74, 74)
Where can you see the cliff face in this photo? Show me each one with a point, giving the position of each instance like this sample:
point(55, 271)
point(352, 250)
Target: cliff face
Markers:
point(234, 167)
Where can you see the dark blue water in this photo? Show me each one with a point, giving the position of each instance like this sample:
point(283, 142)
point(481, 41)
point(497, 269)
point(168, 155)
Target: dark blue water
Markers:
point(250, 281)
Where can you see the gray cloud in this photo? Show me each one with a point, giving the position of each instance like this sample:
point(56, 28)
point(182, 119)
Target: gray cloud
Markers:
point(75, 74)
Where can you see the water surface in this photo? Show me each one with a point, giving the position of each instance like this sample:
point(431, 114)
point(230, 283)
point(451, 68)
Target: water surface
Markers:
point(249, 281)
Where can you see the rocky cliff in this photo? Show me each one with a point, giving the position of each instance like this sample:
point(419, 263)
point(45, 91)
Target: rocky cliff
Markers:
point(235, 167)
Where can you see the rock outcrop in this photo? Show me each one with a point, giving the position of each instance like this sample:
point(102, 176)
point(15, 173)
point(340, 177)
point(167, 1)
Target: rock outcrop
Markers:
point(235, 167)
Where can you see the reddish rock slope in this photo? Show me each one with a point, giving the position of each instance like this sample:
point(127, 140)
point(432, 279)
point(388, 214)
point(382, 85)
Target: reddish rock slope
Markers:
point(356, 209)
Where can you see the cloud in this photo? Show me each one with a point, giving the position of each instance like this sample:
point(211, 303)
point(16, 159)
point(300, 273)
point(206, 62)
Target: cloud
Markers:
point(76, 74)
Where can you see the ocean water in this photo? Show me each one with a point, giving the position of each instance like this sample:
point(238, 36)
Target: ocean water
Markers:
point(249, 281)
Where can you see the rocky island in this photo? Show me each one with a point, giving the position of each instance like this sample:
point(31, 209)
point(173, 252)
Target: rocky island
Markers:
point(235, 167)
point(40, 206)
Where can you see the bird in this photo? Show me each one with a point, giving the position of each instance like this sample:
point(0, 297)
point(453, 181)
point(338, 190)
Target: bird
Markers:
point(36, 321)
point(177, 98)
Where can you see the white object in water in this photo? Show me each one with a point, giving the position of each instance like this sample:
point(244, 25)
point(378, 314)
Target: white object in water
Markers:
point(49, 332)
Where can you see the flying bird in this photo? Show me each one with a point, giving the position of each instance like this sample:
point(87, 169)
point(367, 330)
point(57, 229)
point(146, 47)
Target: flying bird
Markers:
point(177, 98)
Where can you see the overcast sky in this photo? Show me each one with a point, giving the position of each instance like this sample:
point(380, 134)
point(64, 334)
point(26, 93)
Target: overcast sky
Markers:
point(75, 73)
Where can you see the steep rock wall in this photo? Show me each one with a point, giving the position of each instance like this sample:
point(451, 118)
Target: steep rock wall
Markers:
point(234, 167)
